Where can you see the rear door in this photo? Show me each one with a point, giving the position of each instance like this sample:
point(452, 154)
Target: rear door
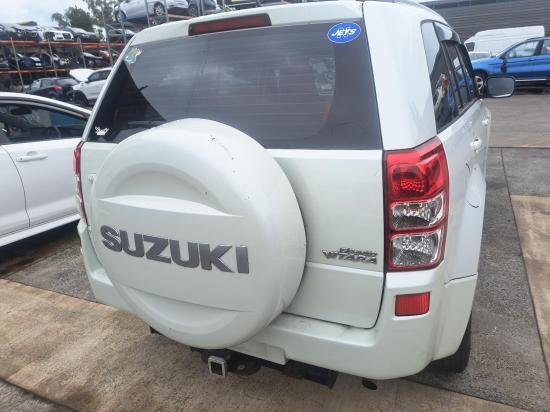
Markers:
point(40, 141)
point(519, 61)
point(541, 62)
point(459, 115)
point(94, 84)
point(310, 103)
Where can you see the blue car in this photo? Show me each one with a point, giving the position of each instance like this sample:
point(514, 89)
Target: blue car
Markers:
point(528, 62)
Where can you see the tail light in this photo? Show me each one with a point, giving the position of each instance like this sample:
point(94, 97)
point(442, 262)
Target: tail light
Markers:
point(417, 204)
point(78, 181)
point(57, 88)
point(233, 23)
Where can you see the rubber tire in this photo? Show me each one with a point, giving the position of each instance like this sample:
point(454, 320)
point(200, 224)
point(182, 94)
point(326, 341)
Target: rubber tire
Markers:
point(120, 16)
point(483, 75)
point(458, 362)
point(155, 10)
point(193, 11)
point(81, 100)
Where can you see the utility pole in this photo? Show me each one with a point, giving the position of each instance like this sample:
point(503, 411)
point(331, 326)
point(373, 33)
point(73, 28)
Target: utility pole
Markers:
point(147, 13)
point(17, 64)
point(51, 57)
point(106, 34)
point(166, 12)
point(82, 52)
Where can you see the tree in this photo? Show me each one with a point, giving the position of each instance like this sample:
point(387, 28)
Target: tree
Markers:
point(75, 17)
point(95, 7)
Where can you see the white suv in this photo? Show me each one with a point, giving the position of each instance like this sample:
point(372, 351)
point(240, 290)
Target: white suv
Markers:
point(299, 183)
point(91, 82)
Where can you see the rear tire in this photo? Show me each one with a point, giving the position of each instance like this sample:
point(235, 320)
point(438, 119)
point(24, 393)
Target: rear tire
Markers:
point(158, 10)
point(193, 11)
point(458, 362)
point(81, 100)
point(120, 16)
point(480, 78)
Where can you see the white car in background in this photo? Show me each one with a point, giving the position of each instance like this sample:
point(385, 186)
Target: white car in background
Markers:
point(37, 139)
point(90, 83)
point(50, 33)
point(135, 9)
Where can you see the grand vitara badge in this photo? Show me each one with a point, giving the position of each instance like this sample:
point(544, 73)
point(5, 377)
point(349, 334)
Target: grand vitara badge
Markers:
point(170, 251)
point(344, 32)
point(346, 253)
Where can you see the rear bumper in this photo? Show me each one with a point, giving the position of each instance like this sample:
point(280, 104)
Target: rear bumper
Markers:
point(395, 347)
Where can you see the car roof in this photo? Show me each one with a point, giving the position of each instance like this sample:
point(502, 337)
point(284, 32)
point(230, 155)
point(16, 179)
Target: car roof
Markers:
point(31, 98)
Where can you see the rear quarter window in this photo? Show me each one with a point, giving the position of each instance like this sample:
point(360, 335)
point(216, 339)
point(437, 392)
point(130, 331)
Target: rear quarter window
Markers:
point(286, 87)
point(445, 102)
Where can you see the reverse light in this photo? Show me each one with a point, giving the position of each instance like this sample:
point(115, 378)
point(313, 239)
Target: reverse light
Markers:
point(234, 23)
point(78, 181)
point(412, 305)
point(417, 193)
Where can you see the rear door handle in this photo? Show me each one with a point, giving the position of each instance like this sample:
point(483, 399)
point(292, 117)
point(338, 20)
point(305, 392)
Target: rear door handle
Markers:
point(31, 156)
point(476, 144)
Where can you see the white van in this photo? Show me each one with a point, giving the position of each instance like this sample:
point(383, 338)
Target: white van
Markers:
point(494, 41)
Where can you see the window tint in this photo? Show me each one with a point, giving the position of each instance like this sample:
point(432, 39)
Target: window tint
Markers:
point(94, 77)
point(23, 123)
point(468, 72)
point(458, 70)
point(286, 87)
point(66, 82)
point(444, 100)
point(545, 50)
point(523, 50)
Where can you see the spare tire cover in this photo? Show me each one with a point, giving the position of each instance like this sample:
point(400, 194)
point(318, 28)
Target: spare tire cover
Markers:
point(199, 230)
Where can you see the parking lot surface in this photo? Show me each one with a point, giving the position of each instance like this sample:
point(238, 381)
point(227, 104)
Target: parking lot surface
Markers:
point(61, 346)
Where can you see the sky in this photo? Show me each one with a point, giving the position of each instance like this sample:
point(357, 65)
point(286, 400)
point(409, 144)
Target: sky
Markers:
point(14, 11)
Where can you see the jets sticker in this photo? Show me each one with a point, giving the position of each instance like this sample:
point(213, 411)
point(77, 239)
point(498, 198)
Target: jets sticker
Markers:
point(344, 32)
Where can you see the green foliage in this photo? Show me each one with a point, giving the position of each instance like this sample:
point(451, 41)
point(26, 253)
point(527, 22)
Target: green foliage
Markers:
point(75, 17)
point(95, 7)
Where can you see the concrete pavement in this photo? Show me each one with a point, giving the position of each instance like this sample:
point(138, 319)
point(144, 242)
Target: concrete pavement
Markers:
point(58, 343)
point(91, 357)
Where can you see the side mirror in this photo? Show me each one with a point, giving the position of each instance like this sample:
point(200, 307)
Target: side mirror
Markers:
point(501, 86)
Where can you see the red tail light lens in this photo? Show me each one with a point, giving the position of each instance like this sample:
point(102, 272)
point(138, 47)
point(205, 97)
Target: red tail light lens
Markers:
point(412, 305)
point(78, 181)
point(235, 23)
point(417, 202)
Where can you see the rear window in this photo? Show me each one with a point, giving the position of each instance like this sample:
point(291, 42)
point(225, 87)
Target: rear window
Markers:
point(66, 82)
point(286, 87)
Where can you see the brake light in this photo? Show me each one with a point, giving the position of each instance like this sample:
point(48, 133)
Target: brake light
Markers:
point(78, 181)
point(235, 23)
point(57, 88)
point(413, 304)
point(417, 203)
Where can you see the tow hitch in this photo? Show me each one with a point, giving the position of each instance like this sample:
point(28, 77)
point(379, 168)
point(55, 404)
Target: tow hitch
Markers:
point(217, 366)
point(221, 362)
